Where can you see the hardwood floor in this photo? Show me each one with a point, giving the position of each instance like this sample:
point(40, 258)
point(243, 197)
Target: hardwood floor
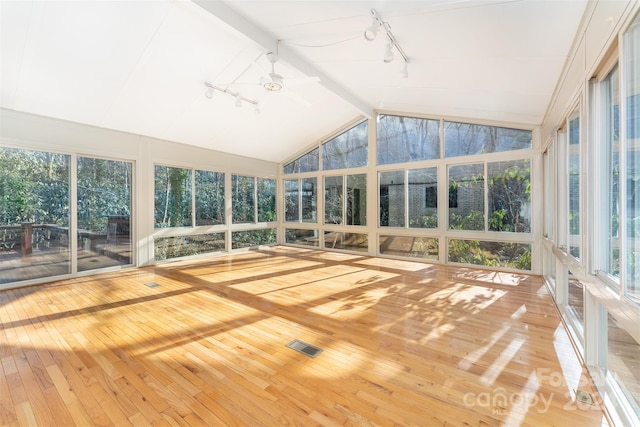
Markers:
point(204, 343)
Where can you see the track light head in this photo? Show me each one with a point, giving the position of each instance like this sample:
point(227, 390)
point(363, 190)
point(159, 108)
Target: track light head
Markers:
point(372, 30)
point(404, 71)
point(388, 53)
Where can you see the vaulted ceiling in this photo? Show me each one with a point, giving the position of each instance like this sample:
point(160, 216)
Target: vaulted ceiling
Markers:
point(141, 66)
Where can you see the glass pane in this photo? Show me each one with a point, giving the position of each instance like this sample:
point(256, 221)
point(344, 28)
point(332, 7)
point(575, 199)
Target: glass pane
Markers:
point(392, 199)
point(466, 197)
point(574, 184)
point(266, 200)
point(549, 269)
point(407, 139)
point(464, 139)
point(423, 198)
point(305, 163)
point(34, 214)
point(173, 197)
point(632, 97)
point(357, 199)
point(291, 200)
point(333, 195)
point(492, 254)
point(252, 238)
point(104, 212)
point(209, 198)
point(575, 299)
point(181, 246)
point(409, 246)
point(242, 199)
point(309, 199)
point(347, 241)
point(347, 150)
point(510, 196)
point(302, 237)
point(611, 169)
point(623, 363)
point(548, 163)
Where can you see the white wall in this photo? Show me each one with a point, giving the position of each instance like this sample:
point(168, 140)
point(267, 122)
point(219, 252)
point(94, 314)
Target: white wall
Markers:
point(600, 25)
point(22, 130)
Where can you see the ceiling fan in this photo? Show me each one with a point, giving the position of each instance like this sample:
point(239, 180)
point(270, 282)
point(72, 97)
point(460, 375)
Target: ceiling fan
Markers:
point(273, 82)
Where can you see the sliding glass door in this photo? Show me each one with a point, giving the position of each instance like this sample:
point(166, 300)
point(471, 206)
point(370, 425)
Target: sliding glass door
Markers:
point(104, 213)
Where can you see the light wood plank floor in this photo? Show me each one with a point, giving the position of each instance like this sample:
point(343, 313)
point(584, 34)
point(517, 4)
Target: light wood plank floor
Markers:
point(403, 343)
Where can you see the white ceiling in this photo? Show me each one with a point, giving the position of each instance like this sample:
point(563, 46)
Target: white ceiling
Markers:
point(140, 66)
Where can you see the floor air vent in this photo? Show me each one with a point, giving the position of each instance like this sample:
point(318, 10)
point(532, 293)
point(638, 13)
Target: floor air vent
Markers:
point(152, 285)
point(584, 397)
point(304, 348)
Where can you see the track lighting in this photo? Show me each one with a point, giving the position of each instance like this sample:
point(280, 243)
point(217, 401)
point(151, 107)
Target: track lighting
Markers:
point(404, 71)
point(388, 53)
point(371, 32)
point(240, 100)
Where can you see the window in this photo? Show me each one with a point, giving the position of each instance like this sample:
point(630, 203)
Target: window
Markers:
point(468, 182)
point(392, 199)
point(407, 139)
point(308, 199)
point(610, 163)
point(510, 196)
point(410, 246)
point(306, 163)
point(346, 241)
point(347, 150)
point(573, 184)
point(354, 212)
point(333, 199)
point(252, 238)
point(104, 213)
point(300, 200)
point(209, 198)
point(492, 254)
point(297, 236)
point(34, 214)
point(181, 246)
point(172, 197)
point(622, 361)
point(548, 165)
point(291, 200)
point(266, 200)
point(463, 139)
point(631, 91)
point(423, 197)
point(356, 209)
point(242, 199)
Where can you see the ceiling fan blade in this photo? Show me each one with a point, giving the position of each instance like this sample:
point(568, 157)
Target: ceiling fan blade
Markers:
point(301, 81)
point(295, 97)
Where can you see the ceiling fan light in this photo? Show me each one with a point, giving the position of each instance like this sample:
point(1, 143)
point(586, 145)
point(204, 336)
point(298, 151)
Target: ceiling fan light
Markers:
point(272, 86)
point(388, 53)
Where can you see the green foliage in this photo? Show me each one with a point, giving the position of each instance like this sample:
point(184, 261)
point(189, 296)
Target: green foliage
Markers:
point(491, 254)
point(472, 221)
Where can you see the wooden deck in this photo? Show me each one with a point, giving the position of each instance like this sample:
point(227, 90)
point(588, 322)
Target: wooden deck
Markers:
point(204, 343)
